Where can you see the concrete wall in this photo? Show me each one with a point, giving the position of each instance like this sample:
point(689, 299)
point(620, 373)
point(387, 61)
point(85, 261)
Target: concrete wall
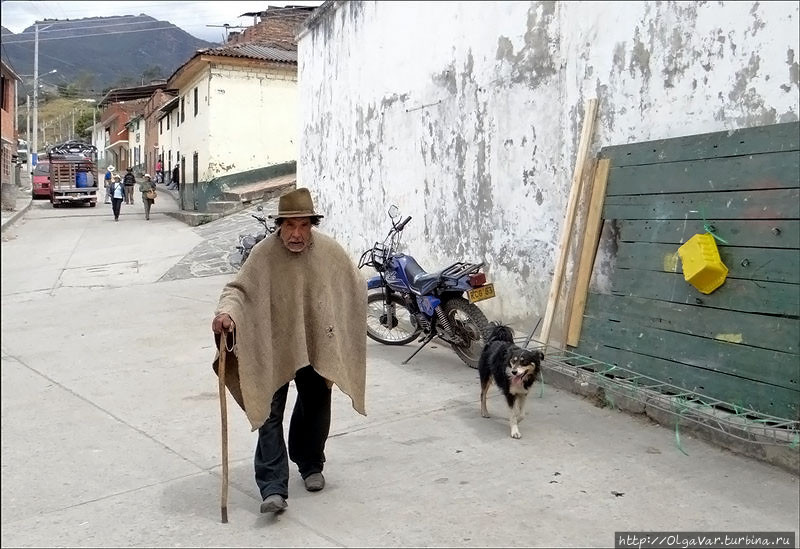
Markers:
point(467, 114)
point(99, 141)
point(167, 143)
point(254, 119)
point(193, 134)
point(136, 144)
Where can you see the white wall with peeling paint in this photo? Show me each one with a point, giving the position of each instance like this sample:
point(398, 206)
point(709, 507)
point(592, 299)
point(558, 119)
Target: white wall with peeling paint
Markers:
point(467, 114)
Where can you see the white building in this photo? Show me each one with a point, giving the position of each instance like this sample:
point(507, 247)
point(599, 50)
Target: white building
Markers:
point(99, 141)
point(236, 110)
point(467, 115)
point(136, 143)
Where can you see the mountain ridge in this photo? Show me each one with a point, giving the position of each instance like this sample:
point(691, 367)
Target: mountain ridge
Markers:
point(97, 53)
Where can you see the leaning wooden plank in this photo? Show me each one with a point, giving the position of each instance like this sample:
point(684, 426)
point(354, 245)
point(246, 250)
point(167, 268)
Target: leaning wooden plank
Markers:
point(769, 204)
point(752, 172)
point(764, 233)
point(748, 296)
point(591, 237)
point(747, 329)
point(566, 229)
point(768, 264)
point(579, 227)
point(765, 365)
point(762, 397)
point(761, 139)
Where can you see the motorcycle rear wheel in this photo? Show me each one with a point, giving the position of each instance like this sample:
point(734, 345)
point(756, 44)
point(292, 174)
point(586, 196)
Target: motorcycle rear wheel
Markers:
point(470, 323)
point(403, 328)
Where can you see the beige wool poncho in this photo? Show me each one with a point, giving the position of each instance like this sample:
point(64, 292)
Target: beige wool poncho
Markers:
point(291, 310)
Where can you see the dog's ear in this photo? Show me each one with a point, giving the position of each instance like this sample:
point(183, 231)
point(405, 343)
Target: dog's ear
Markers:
point(538, 356)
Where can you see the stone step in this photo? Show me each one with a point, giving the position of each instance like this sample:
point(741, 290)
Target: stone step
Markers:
point(193, 219)
point(224, 206)
point(258, 193)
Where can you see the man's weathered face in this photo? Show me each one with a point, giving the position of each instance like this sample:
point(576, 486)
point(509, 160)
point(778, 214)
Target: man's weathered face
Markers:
point(296, 233)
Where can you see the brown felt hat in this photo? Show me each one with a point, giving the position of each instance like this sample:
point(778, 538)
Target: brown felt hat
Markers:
point(297, 203)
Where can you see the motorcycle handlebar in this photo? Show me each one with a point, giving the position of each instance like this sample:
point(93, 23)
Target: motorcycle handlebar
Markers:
point(403, 223)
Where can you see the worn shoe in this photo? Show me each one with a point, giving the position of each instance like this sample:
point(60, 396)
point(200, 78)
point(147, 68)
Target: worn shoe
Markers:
point(273, 504)
point(314, 482)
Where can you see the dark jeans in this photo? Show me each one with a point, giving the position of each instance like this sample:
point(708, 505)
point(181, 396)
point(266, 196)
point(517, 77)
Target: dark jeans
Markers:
point(116, 204)
point(147, 203)
point(308, 431)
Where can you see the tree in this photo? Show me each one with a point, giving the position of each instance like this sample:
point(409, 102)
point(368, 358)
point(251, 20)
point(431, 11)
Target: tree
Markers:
point(152, 73)
point(83, 126)
point(68, 90)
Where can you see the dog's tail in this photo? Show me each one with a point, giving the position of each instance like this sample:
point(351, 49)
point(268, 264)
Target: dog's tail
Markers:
point(500, 332)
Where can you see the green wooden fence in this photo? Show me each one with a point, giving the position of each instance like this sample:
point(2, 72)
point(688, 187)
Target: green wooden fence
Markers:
point(738, 344)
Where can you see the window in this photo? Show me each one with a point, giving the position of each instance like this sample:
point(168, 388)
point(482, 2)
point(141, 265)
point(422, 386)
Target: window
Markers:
point(183, 113)
point(168, 117)
point(3, 87)
point(195, 101)
point(160, 126)
point(177, 119)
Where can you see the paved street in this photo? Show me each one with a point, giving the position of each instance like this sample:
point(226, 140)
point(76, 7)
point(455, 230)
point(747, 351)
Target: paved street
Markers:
point(110, 423)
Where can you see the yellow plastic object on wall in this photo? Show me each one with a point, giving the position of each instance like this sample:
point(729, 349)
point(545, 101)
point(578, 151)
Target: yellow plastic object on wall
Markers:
point(702, 266)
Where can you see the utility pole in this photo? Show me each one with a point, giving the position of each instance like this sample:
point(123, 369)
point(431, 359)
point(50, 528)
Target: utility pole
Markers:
point(28, 131)
point(72, 133)
point(35, 149)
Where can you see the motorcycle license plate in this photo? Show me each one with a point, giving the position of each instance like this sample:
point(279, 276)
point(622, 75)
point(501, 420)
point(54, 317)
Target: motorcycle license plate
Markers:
point(479, 294)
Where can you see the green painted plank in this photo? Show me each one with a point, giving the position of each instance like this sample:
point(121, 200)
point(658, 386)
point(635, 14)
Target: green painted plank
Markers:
point(762, 397)
point(762, 139)
point(765, 365)
point(746, 329)
point(752, 172)
point(780, 233)
point(737, 295)
point(769, 204)
point(770, 264)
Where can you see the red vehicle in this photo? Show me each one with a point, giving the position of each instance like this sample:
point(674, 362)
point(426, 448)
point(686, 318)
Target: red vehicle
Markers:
point(41, 180)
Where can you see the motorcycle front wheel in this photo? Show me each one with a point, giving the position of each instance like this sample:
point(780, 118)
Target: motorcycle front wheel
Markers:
point(470, 324)
point(392, 323)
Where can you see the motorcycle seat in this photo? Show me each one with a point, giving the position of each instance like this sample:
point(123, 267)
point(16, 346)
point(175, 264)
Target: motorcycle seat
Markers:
point(420, 281)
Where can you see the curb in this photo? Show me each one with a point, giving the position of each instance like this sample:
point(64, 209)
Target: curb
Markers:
point(741, 442)
point(15, 216)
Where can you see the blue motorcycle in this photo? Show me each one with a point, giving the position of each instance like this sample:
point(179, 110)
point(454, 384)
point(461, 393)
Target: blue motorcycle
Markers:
point(405, 302)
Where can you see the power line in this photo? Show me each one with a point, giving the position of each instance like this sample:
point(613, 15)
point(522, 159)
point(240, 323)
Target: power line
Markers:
point(7, 59)
point(101, 21)
point(101, 26)
point(171, 26)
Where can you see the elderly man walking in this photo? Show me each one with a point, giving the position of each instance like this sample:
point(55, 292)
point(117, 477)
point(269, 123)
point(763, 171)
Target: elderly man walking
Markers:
point(297, 310)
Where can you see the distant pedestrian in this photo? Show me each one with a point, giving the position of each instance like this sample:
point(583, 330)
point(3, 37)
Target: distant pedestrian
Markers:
point(175, 182)
point(129, 181)
point(107, 183)
point(117, 191)
point(147, 187)
point(159, 172)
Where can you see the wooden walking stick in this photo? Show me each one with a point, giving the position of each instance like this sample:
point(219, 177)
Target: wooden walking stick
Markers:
point(223, 408)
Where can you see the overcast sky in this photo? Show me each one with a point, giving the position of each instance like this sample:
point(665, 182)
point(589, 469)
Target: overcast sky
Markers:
point(190, 16)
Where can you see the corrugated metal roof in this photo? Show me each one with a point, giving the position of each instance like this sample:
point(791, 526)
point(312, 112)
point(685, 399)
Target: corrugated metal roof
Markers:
point(254, 51)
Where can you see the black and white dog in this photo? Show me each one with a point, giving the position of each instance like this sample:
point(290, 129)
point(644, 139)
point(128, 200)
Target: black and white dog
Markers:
point(512, 368)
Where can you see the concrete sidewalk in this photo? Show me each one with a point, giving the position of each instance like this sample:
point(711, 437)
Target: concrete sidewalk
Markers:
point(111, 429)
point(8, 218)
